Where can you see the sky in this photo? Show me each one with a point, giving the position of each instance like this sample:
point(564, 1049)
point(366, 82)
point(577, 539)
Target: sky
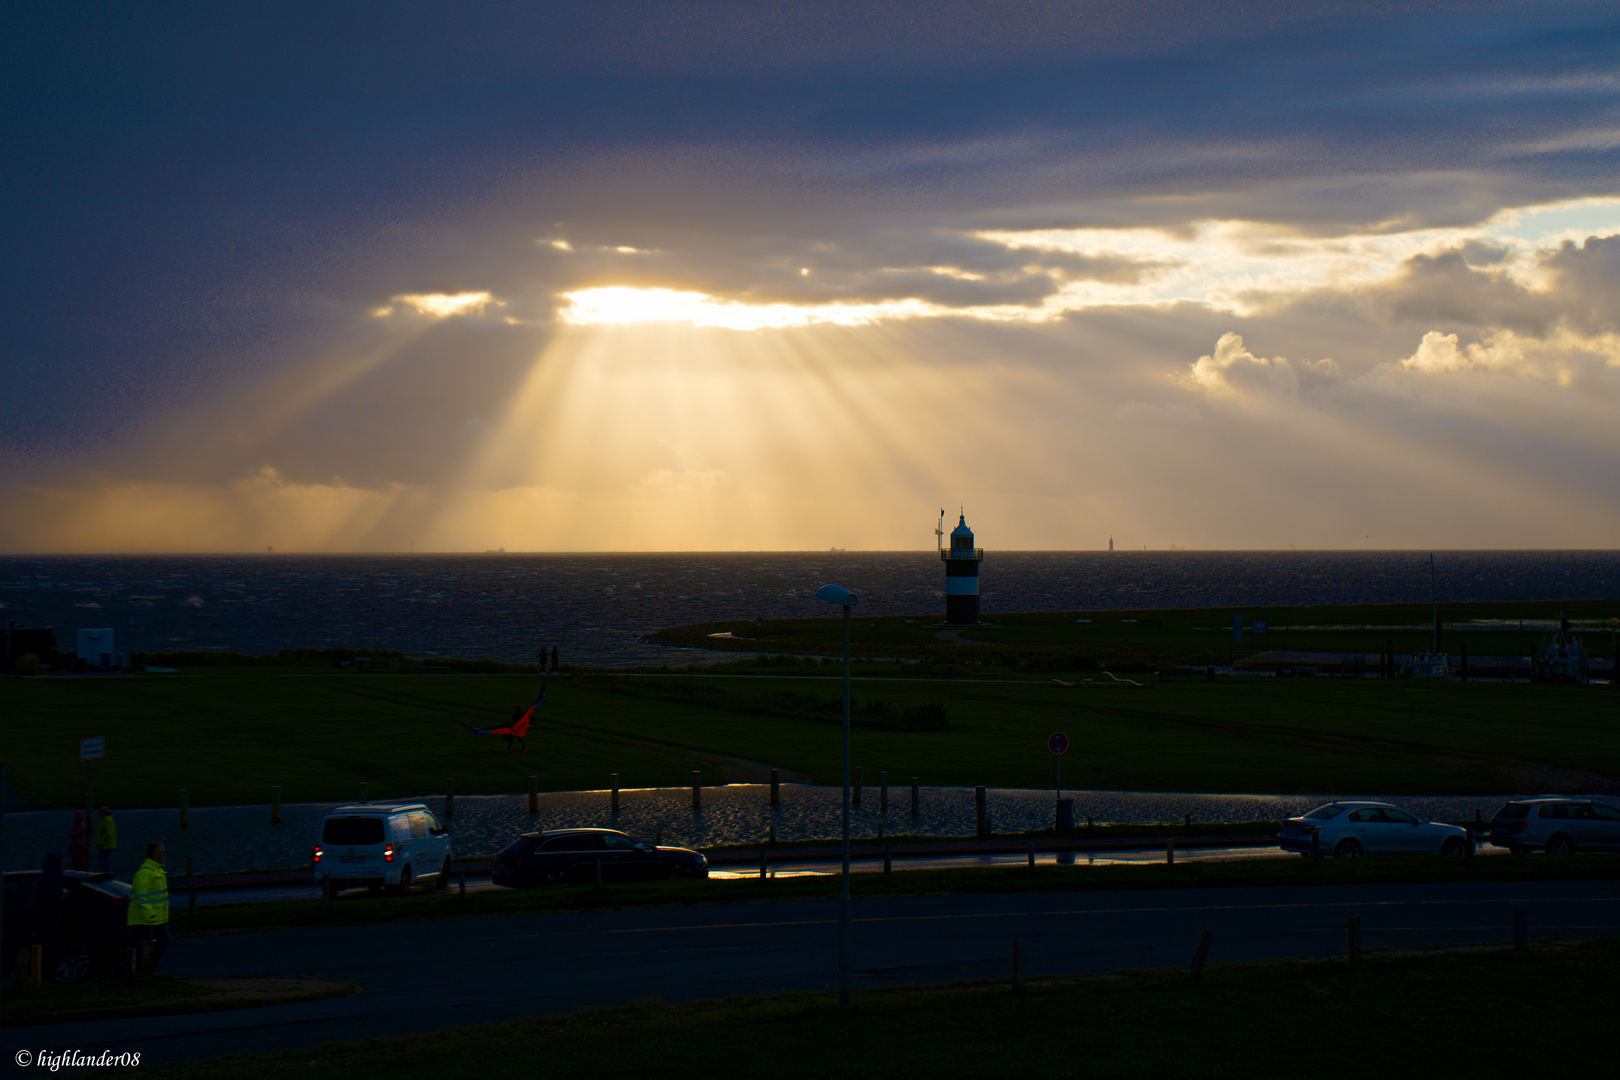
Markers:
point(738, 276)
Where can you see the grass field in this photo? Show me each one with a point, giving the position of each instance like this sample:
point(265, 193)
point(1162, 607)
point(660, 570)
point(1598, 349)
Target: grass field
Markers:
point(228, 734)
point(1480, 1014)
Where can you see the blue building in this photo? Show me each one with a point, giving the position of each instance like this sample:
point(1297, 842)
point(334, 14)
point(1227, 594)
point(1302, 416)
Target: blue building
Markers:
point(962, 561)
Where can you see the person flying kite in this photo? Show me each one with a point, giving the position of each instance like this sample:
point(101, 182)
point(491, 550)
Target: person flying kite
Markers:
point(519, 725)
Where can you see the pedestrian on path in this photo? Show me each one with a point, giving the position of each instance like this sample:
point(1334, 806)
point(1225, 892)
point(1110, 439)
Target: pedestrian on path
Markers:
point(79, 842)
point(149, 906)
point(106, 839)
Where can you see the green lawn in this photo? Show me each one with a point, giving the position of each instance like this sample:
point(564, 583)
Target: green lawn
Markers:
point(1479, 1014)
point(227, 735)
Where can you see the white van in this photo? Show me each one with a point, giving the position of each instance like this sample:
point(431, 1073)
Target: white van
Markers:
point(379, 846)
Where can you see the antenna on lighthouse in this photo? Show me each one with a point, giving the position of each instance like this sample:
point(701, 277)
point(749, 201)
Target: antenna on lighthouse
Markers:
point(939, 531)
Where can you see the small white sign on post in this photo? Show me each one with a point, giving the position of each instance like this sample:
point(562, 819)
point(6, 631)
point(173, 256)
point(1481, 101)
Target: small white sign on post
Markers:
point(90, 749)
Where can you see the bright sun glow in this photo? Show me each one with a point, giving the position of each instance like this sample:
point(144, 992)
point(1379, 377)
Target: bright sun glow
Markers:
point(619, 305)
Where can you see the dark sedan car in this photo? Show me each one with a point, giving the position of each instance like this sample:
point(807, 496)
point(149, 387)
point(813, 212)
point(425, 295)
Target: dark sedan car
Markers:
point(559, 856)
point(95, 909)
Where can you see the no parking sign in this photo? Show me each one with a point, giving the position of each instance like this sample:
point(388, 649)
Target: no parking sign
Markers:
point(1057, 742)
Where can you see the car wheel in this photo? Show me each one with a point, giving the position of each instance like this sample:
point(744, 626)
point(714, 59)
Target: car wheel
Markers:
point(444, 874)
point(1454, 845)
point(556, 876)
point(681, 870)
point(404, 885)
point(1559, 844)
point(1347, 849)
point(72, 963)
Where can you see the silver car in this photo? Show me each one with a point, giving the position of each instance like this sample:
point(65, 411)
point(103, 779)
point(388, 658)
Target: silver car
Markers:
point(1556, 825)
point(1345, 829)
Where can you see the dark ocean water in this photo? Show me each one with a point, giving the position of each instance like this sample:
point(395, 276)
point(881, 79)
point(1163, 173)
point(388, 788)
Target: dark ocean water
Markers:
point(597, 607)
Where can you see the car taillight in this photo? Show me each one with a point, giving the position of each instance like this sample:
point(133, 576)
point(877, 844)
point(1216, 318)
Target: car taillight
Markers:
point(317, 854)
point(388, 853)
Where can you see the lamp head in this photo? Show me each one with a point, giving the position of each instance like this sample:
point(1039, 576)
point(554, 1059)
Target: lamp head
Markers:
point(836, 594)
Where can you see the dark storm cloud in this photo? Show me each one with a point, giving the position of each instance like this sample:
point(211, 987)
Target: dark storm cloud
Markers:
point(201, 191)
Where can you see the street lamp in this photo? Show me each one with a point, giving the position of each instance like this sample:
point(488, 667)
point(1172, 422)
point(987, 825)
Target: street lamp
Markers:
point(837, 594)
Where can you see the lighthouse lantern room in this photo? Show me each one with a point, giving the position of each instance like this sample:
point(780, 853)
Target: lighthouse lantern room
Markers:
point(962, 561)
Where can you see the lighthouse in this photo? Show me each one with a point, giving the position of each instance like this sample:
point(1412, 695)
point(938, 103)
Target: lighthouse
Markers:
point(961, 561)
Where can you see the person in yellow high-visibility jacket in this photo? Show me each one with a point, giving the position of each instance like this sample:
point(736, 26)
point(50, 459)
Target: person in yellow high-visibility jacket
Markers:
point(149, 905)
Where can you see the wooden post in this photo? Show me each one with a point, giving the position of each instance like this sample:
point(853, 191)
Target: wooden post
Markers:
point(36, 965)
point(1199, 956)
point(888, 859)
point(1521, 929)
point(185, 808)
point(770, 833)
point(980, 817)
point(776, 787)
point(449, 798)
point(697, 790)
point(855, 798)
point(1032, 854)
point(762, 873)
point(1018, 966)
point(883, 792)
point(914, 797)
point(364, 786)
point(461, 882)
point(1186, 821)
point(191, 889)
point(1170, 852)
point(534, 794)
point(615, 800)
point(1352, 934)
point(275, 804)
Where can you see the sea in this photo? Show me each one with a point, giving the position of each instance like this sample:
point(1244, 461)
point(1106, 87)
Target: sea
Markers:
point(597, 609)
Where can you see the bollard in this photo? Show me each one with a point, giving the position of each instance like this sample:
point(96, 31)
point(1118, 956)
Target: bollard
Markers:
point(1018, 966)
point(191, 890)
point(1352, 933)
point(1032, 855)
point(855, 797)
point(275, 804)
point(880, 830)
point(449, 798)
point(534, 794)
point(888, 859)
point(770, 832)
point(36, 965)
point(762, 873)
point(615, 800)
point(1089, 825)
point(461, 882)
point(1169, 853)
point(982, 821)
point(1186, 821)
point(364, 799)
point(914, 798)
point(1201, 954)
point(1521, 929)
point(883, 793)
point(697, 790)
point(776, 787)
point(185, 808)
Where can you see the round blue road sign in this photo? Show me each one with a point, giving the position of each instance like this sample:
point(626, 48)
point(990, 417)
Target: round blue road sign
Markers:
point(1057, 742)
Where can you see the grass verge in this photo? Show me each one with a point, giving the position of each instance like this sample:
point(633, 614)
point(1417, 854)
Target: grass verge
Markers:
point(1407, 1015)
point(358, 909)
point(161, 995)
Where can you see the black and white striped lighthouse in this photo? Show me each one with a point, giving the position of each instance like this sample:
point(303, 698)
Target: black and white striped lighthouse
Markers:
point(962, 561)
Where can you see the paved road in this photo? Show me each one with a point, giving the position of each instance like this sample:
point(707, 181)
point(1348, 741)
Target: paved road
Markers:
point(425, 976)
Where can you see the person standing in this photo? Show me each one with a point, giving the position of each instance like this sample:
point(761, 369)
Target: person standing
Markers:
point(149, 906)
point(79, 842)
point(106, 839)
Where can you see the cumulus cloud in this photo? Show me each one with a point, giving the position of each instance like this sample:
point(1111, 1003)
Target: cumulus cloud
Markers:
point(1233, 371)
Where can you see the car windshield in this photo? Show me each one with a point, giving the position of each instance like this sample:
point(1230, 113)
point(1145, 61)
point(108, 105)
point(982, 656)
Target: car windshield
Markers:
point(1513, 811)
point(1322, 813)
point(353, 830)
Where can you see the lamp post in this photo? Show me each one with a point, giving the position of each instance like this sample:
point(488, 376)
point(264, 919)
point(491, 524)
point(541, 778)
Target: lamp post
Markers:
point(837, 594)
